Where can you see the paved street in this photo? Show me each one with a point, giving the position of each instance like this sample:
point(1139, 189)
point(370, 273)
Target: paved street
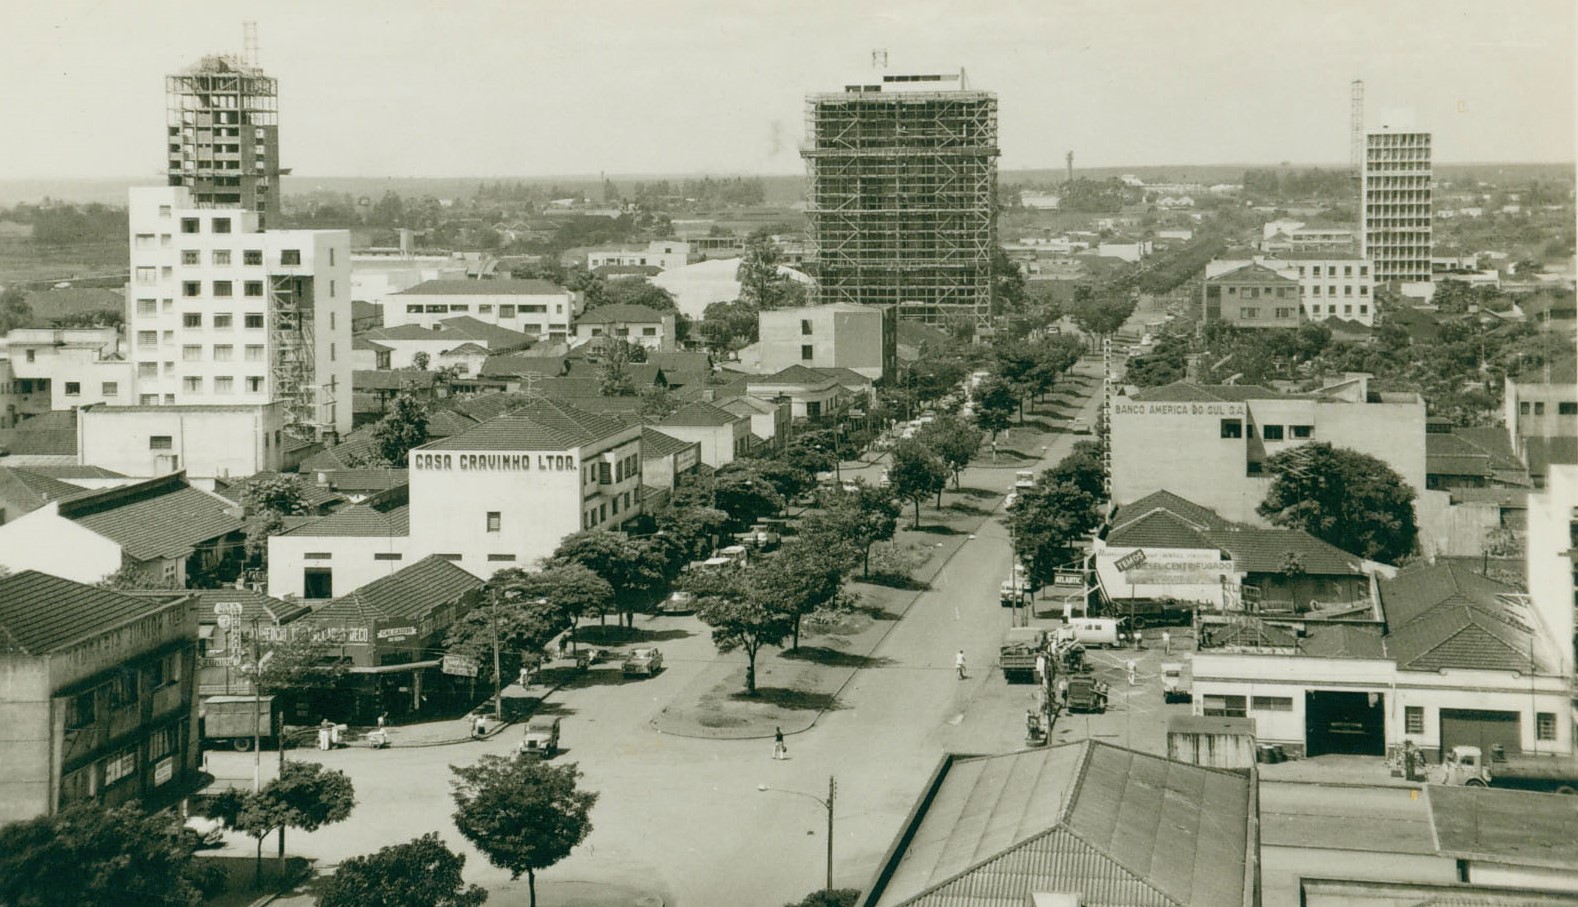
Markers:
point(682, 818)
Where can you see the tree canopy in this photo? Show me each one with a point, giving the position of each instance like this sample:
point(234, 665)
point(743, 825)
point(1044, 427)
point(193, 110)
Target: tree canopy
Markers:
point(403, 428)
point(1045, 521)
point(954, 440)
point(633, 568)
point(523, 814)
point(1350, 499)
point(419, 873)
point(917, 473)
point(743, 613)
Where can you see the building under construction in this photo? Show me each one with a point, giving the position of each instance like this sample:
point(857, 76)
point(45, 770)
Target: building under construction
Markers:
point(223, 135)
point(903, 179)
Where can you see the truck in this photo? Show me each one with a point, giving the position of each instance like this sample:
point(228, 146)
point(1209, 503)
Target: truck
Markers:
point(233, 720)
point(1013, 593)
point(1086, 694)
point(1019, 651)
point(1175, 686)
point(1466, 766)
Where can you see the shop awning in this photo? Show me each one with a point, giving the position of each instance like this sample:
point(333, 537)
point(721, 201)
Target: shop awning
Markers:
point(395, 669)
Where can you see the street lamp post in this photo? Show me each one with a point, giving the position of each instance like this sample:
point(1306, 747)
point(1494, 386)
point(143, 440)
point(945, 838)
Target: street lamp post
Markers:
point(832, 792)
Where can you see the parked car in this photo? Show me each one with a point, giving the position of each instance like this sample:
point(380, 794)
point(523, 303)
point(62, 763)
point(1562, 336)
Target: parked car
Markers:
point(203, 831)
point(680, 602)
point(1079, 426)
point(644, 661)
point(542, 738)
point(1024, 479)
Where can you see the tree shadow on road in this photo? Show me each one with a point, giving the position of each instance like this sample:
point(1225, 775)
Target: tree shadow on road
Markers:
point(607, 677)
point(966, 507)
point(552, 709)
point(823, 655)
point(970, 492)
point(806, 700)
point(933, 529)
point(598, 635)
point(895, 581)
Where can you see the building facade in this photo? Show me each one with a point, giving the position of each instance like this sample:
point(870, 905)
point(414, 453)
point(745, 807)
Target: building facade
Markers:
point(534, 307)
point(1396, 200)
point(902, 197)
point(1251, 296)
point(632, 323)
point(861, 338)
point(223, 136)
point(222, 311)
point(1332, 285)
point(69, 367)
point(205, 442)
point(663, 254)
point(98, 695)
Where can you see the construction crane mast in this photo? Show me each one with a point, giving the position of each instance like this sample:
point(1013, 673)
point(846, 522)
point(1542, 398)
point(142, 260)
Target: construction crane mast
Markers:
point(1356, 126)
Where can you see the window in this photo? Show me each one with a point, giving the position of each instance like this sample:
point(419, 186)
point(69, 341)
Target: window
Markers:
point(82, 710)
point(806, 353)
point(1413, 719)
point(221, 256)
point(1271, 432)
point(191, 257)
point(1567, 408)
point(1523, 408)
point(164, 741)
point(1364, 310)
point(1347, 270)
point(493, 521)
point(221, 225)
point(1284, 313)
point(805, 326)
point(73, 388)
point(290, 257)
point(191, 353)
point(110, 388)
point(224, 320)
point(164, 211)
point(224, 384)
point(501, 557)
point(252, 257)
point(224, 352)
point(254, 352)
point(1225, 707)
point(254, 320)
point(1364, 270)
point(190, 225)
point(123, 690)
point(387, 556)
point(1302, 432)
point(1272, 703)
point(451, 557)
point(254, 384)
point(120, 766)
point(1249, 313)
point(223, 288)
point(192, 288)
point(331, 260)
point(602, 513)
point(1364, 291)
point(506, 311)
point(1232, 428)
point(1316, 290)
point(165, 671)
point(191, 320)
point(1539, 407)
point(192, 384)
point(1545, 725)
point(147, 307)
point(147, 369)
point(649, 332)
point(151, 338)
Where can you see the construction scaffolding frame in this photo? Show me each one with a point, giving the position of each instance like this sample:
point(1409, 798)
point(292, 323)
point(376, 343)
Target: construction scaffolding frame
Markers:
point(291, 361)
point(222, 124)
point(902, 200)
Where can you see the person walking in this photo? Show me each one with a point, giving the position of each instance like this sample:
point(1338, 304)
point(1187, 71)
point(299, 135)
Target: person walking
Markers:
point(780, 751)
point(1133, 669)
point(383, 719)
point(958, 662)
point(479, 726)
point(1167, 642)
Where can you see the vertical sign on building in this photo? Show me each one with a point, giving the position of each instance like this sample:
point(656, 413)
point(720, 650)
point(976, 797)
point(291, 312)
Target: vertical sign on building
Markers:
point(1106, 417)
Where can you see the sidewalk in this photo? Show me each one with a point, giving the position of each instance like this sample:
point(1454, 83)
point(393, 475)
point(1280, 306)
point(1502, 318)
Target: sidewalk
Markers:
point(1338, 771)
point(794, 688)
point(450, 731)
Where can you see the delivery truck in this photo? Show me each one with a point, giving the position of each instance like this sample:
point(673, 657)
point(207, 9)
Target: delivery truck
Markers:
point(234, 721)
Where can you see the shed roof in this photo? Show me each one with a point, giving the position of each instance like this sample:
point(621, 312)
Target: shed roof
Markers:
point(538, 424)
point(40, 613)
point(159, 518)
point(411, 592)
point(655, 444)
point(1504, 826)
point(484, 288)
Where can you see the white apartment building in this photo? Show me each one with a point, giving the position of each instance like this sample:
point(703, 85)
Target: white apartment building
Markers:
point(535, 307)
point(664, 254)
point(1331, 285)
point(68, 367)
point(221, 312)
point(1396, 202)
point(206, 441)
point(501, 494)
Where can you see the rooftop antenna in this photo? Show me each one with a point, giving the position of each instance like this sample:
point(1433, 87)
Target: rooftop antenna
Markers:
point(249, 43)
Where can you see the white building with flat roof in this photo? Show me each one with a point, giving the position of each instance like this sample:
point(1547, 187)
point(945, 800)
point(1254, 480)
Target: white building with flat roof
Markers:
point(69, 367)
point(663, 254)
point(541, 309)
point(222, 312)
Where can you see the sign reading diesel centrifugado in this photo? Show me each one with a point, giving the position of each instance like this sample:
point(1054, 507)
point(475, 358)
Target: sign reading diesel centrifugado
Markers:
point(490, 462)
point(1177, 409)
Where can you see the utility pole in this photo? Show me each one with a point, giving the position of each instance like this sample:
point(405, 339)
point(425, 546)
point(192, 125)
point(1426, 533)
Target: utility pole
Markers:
point(257, 713)
point(498, 696)
point(832, 791)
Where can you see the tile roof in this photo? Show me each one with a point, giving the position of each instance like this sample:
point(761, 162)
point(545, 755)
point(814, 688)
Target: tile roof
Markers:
point(656, 445)
point(484, 288)
point(159, 518)
point(680, 361)
point(411, 592)
point(446, 422)
point(47, 434)
point(567, 387)
point(697, 413)
point(1446, 616)
point(384, 515)
point(1158, 529)
point(479, 331)
point(469, 348)
point(1251, 634)
point(1256, 550)
point(1117, 826)
point(253, 605)
point(356, 446)
point(515, 364)
point(40, 614)
point(626, 270)
point(1189, 392)
point(795, 374)
point(73, 472)
point(32, 490)
point(1250, 273)
point(1343, 641)
point(51, 305)
point(1192, 513)
point(363, 342)
point(392, 379)
point(536, 425)
point(365, 478)
point(699, 390)
point(622, 313)
point(845, 376)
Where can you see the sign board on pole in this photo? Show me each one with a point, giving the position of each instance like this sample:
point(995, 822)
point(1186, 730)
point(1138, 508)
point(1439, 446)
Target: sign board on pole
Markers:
point(1068, 578)
point(226, 621)
point(459, 665)
point(228, 609)
point(1132, 559)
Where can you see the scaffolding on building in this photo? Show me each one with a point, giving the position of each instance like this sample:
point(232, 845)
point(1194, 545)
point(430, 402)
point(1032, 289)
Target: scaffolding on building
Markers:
point(292, 362)
point(902, 200)
point(222, 129)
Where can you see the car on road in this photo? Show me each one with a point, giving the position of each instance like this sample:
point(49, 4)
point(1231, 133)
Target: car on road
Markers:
point(203, 831)
point(541, 739)
point(1079, 427)
point(646, 661)
point(1175, 686)
point(680, 602)
point(1024, 479)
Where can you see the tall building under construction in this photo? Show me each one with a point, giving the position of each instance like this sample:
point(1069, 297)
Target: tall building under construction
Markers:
point(903, 179)
point(223, 135)
point(1397, 216)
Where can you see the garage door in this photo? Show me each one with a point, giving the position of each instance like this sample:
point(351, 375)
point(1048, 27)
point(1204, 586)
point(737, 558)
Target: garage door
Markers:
point(1481, 728)
point(1353, 723)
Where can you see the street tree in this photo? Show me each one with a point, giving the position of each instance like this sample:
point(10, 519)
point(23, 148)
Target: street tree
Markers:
point(636, 291)
point(802, 577)
point(14, 309)
point(762, 284)
point(421, 360)
point(786, 476)
point(403, 428)
point(657, 403)
point(859, 519)
point(88, 856)
point(1350, 499)
point(1082, 467)
point(305, 795)
point(741, 613)
point(995, 402)
point(613, 375)
point(523, 814)
point(419, 873)
point(916, 474)
point(692, 528)
point(633, 568)
point(1046, 520)
point(509, 627)
point(741, 491)
point(953, 439)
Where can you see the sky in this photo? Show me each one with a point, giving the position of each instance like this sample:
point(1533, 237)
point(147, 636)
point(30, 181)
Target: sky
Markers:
point(491, 88)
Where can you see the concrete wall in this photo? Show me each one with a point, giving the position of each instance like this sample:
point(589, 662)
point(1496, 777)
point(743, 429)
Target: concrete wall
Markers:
point(545, 316)
point(719, 443)
point(1549, 564)
point(26, 738)
point(46, 542)
point(207, 442)
point(353, 559)
point(860, 339)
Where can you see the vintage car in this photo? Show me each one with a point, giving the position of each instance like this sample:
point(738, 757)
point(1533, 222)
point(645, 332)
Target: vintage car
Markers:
point(542, 738)
point(643, 661)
